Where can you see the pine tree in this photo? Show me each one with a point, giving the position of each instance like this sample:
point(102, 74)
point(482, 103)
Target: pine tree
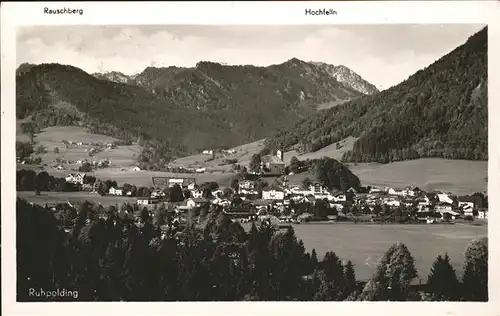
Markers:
point(393, 275)
point(475, 278)
point(314, 260)
point(350, 278)
point(442, 282)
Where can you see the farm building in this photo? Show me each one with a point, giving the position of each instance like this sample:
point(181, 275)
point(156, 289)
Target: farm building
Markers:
point(116, 191)
point(167, 182)
point(147, 201)
point(75, 178)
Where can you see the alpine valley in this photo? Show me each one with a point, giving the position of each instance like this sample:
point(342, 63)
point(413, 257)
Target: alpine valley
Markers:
point(179, 111)
point(440, 111)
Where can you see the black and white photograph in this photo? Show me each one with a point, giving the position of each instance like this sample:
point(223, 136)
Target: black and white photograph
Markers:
point(249, 163)
point(252, 163)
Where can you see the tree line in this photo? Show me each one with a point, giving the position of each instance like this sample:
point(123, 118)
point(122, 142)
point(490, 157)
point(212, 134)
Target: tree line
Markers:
point(148, 257)
point(29, 180)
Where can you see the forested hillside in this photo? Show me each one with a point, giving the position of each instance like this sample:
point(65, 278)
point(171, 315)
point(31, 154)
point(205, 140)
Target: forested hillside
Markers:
point(180, 110)
point(440, 111)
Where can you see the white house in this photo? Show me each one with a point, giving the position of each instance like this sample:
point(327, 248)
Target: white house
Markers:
point(116, 191)
point(247, 184)
point(273, 195)
point(246, 187)
point(75, 178)
point(395, 203)
point(444, 207)
point(482, 214)
point(465, 205)
point(201, 170)
point(317, 189)
point(340, 198)
point(143, 201)
point(444, 198)
point(393, 191)
point(197, 194)
point(408, 192)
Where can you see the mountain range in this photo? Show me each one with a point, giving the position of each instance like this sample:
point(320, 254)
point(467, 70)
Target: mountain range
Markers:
point(184, 109)
point(440, 111)
point(156, 78)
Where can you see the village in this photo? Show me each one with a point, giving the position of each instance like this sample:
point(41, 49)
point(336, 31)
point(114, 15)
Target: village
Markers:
point(283, 202)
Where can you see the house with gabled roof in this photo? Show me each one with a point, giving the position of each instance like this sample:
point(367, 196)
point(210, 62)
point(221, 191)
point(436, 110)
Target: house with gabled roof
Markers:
point(75, 178)
point(118, 191)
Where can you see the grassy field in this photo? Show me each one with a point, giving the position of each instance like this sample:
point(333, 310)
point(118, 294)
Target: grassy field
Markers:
point(367, 243)
point(455, 176)
point(52, 137)
point(328, 151)
point(244, 154)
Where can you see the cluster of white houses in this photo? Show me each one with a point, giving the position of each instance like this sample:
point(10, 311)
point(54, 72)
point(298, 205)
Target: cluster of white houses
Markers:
point(282, 199)
point(288, 195)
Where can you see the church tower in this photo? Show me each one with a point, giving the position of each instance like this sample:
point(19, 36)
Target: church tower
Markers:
point(279, 154)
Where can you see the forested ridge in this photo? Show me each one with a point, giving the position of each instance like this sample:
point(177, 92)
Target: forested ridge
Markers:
point(178, 110)
point(440, 111)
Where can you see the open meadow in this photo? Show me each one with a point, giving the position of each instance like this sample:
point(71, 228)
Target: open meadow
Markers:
point(365, 244)
point(455, 176)
point(52, 137)
point(243, 155)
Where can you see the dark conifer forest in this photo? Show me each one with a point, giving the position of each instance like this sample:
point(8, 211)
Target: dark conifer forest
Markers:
point(129, 254)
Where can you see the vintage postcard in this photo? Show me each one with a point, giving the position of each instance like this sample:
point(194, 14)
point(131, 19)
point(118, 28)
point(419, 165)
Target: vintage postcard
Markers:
point(285, 156)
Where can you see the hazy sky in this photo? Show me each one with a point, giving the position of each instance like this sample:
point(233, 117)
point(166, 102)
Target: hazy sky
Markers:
point(382, 54)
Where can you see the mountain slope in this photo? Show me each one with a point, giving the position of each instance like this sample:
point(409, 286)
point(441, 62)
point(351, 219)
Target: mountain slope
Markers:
point(348, 77)
point(115, 109)
point(114, 76)
point(440, 111)
point(295, 84)
point(24, 68)
point(184, 109)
